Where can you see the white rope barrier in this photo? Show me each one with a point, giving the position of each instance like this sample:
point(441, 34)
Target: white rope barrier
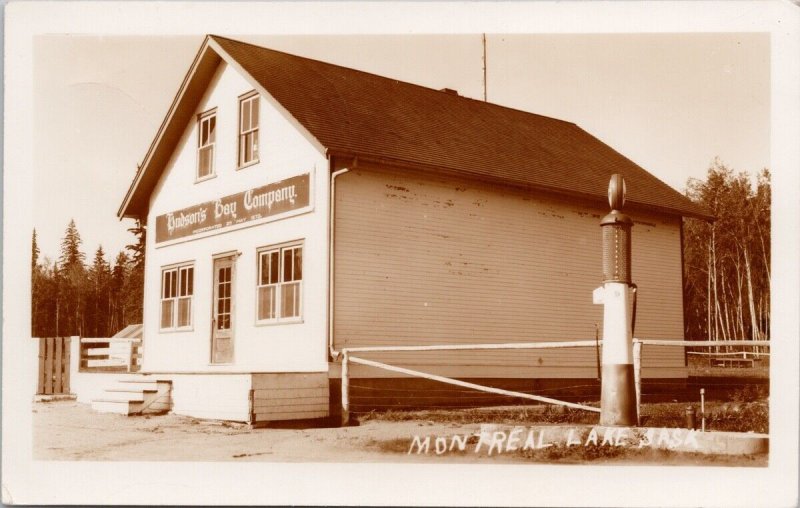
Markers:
point(465, 384)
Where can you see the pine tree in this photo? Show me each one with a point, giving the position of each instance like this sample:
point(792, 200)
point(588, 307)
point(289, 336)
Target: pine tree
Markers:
point(72, 283)
point(98, 309)
point(134, 287)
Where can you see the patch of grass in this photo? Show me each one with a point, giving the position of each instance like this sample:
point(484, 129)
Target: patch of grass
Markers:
point(731, 416)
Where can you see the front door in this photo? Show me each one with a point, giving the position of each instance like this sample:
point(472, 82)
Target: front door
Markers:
point(222, 311)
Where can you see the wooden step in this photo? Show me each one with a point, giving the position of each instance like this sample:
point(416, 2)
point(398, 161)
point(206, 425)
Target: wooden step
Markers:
point(132, 390)
point(142, 384)
point(123, 407)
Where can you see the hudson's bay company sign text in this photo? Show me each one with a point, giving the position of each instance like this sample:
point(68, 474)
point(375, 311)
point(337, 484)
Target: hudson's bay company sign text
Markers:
point(269, 200)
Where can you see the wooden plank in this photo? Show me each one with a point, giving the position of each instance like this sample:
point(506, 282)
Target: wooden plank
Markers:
point(290, 393)
point(300, 415)
point(321, 402)
point(48, 366)
point(57, 365)
point(290, 380)
point(67, 364)
point(42, 354)
point(110, 362)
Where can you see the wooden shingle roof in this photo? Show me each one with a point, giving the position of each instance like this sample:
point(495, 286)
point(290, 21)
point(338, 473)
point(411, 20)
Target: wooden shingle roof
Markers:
point(361, 114)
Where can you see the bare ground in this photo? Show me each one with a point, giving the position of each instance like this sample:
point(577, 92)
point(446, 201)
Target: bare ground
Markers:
point(66, 430)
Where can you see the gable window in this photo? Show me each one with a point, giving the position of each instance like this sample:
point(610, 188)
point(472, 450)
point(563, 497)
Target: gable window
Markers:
point(177, 290)
point(248, 129)
point(206, 140)
point(280, 277)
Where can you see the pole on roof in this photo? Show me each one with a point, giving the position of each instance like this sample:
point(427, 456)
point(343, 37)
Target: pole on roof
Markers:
point(483, 38)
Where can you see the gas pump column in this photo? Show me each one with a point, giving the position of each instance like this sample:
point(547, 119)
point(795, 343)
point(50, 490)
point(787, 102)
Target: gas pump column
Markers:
point(618, 391)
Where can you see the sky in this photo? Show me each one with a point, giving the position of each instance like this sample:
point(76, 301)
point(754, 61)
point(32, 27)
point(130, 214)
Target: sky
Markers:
point(669, 102)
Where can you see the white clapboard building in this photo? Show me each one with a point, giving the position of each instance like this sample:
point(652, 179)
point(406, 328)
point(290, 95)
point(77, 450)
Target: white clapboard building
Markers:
point(452, 221)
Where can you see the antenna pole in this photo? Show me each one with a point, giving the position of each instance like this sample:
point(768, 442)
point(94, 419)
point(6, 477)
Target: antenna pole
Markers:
point(483, 38)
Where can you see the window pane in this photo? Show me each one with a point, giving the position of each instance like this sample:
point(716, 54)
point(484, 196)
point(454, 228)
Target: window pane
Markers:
point(184, 311)
point(166, 313)
point(173, 286)
point(273, 268)
point(254, 112)
point(290, 300)
point(190, 276)
point(287, 265)
point(206, 161)
point(266, 302)
point(212, 124)
point(254, 137)
point(298, 263)
point(245, 116)
point(182, 282)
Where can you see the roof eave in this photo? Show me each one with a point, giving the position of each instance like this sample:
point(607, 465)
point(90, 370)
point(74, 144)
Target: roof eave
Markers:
point(378, 159)
point(132, 205)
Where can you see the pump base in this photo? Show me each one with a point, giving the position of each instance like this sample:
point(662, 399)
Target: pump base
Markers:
point(618, 396)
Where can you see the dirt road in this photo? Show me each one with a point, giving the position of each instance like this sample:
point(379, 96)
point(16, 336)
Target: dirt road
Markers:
point(67, 430)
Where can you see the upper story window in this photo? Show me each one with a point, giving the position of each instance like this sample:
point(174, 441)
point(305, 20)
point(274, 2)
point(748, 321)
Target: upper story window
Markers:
point(248, 129)
point(280, 277)
point(206, 139)
point(177, 291)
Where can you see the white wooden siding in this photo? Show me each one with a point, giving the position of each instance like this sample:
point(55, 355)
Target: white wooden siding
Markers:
point(426, 260)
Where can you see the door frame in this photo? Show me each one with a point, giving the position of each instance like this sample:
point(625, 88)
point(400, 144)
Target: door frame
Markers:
point(234, 256)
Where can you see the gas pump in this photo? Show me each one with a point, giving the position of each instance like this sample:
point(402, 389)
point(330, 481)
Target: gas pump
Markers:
point(618, 297)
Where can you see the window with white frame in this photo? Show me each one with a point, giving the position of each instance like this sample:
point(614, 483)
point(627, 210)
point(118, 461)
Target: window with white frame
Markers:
point(248, 129)
point(280, 278)
point(206, 139)
point(177, 289)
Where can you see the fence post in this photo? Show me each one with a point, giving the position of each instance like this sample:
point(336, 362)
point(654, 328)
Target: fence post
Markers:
point(637, 377)
point(345, 389)
point(131, 350)
point(41, 376)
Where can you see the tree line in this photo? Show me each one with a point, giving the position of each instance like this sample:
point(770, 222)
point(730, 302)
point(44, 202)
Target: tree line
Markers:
point(71, 297)
point(727, 261)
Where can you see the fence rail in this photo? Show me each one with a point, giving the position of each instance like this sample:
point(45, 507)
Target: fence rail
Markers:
point(720, 359)
point(110, 354)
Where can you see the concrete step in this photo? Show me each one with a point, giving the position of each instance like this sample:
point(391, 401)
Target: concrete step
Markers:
point(123, 407)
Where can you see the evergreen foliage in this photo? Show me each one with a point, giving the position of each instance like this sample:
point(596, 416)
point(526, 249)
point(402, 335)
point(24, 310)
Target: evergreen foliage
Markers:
point(98, 300)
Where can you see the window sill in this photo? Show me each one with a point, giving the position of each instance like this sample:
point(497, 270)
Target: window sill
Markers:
point(203, 179)
point(251, 163)
point(176, 330)
point(277, 322)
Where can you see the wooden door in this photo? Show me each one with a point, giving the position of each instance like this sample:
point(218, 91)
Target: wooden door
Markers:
point(222, 314)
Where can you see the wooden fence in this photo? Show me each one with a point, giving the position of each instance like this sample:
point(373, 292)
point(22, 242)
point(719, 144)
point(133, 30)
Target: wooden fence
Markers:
point(110, 354)
point(54, 359)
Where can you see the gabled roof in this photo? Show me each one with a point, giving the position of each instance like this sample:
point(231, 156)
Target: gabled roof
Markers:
point(355, 113)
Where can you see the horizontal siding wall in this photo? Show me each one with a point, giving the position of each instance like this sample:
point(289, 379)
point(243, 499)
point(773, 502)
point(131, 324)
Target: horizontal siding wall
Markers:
point(421, 260)
point(211, 396)
point(290, 396)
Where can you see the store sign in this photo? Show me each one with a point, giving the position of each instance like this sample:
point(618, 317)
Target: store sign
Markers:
point(279, 198)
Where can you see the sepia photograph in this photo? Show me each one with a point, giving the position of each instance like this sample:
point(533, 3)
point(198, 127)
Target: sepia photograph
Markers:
point(261, 256)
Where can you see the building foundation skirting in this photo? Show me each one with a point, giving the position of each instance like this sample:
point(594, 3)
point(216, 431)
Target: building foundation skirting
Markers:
point(382, 394)
point(250, 397)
